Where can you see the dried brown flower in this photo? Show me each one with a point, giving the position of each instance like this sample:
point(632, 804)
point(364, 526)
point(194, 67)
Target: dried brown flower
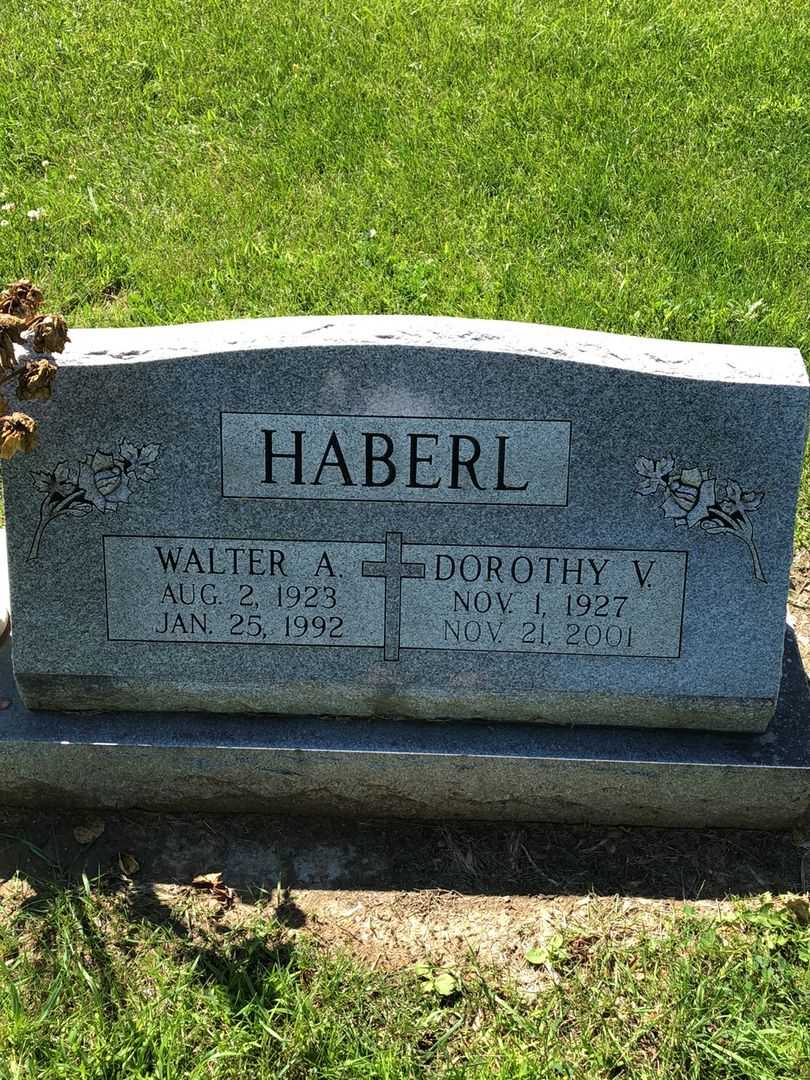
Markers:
point(35, 381)
point(18, 432)
point(21, 298)
point(50, 333)
point(10, 331)
point(13, 326)
point(6, 352)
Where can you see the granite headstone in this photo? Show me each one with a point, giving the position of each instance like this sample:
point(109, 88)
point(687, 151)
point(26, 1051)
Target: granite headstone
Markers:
point(397, 517)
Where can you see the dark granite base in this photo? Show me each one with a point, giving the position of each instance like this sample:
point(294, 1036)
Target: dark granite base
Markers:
point(181, 761)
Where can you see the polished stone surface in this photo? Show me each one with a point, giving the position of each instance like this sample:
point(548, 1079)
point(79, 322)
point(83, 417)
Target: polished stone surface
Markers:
point(393, 517)
point(177, 761)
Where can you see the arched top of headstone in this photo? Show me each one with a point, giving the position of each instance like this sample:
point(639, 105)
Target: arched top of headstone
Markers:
point(653, 356)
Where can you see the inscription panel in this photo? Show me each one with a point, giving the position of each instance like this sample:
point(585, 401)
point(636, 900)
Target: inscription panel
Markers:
point(395, 458)
point(590, 601)
point(243, 592)
point(392, 596)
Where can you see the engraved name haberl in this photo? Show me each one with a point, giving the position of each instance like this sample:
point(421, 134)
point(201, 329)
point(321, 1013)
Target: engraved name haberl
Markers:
point(421, 460)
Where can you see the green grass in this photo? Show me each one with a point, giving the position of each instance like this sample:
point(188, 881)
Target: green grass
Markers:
point(633, 165)
point(630, 165)
point(90, 990)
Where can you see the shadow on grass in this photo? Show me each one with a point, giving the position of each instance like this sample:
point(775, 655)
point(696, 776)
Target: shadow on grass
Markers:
point(88, 918)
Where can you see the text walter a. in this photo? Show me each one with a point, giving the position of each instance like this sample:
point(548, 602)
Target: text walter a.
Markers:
point(376, 459)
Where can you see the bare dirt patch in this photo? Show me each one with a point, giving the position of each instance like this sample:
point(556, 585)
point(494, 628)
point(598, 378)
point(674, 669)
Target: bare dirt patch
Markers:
point(799, 602)
point(395, 892)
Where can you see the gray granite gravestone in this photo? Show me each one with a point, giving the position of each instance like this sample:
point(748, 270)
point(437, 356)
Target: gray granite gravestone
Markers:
point(395, 517)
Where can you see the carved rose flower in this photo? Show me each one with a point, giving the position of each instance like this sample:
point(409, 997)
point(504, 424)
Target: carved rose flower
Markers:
point(693, 497)
point(99, 481)
point(104, 481)
point(689, 497)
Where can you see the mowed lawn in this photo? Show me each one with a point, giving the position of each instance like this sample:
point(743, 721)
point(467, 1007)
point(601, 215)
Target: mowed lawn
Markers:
point(639, 166)
point(89, 991)
point(629, 165)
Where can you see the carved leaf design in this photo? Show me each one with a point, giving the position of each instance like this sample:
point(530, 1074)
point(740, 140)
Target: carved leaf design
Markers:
point(79, 509)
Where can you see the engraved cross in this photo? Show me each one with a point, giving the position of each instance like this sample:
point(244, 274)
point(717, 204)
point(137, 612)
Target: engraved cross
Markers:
point(393, 570)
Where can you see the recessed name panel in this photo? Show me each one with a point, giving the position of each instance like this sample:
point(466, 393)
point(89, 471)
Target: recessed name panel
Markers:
point(395, 458)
